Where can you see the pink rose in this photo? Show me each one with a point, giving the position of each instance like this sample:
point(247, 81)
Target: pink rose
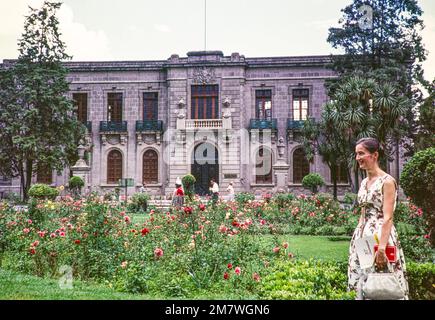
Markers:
point(158, 252)
point(238, 271)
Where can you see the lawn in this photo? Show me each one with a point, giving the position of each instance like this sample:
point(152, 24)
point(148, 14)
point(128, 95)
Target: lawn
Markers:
point(16, 286)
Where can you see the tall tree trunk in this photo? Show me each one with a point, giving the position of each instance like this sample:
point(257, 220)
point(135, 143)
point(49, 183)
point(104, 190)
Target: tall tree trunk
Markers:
point(22, 181)
point(28, 178)
point(334, 180)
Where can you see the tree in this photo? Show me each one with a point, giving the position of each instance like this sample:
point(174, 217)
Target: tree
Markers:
point(37, 122)
point(359, 108)
point(425, 136)
point(381, 40)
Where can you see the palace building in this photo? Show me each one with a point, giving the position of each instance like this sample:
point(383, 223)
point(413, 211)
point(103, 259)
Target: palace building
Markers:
point(231, 118)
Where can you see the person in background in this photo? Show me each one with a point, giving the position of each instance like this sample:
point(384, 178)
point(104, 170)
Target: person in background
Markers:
point(178, 196)
point(214, 191)
point(230, 190)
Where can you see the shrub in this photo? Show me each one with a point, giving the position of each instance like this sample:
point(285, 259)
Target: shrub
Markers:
point(306, 280)
point(139, 202)
point(283, 199)
point(350, 198)
point(243, 197)
point(418, 182)
point(313, 181)
point(76, 184)
point(43, 191)
point(421, 277)
point(189, 185)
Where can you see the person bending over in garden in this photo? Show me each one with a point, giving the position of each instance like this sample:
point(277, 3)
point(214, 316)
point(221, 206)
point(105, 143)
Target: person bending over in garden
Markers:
point(214, 191)
point(377, 198)
point(178, 196)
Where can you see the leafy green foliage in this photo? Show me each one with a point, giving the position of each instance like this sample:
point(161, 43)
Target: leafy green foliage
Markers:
point(386, 47)
point(313, 181)
point(189, 185)
point(37, 119)
point(244, 197)
point(138, 202)
point(421, 280)
point(76, 182)
point(418, 182)
point(306, 280)
point(43, 191)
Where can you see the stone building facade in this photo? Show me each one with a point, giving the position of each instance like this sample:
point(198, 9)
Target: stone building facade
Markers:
point(231, 118)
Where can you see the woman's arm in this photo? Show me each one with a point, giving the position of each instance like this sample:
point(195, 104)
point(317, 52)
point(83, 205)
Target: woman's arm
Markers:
point(389, 190)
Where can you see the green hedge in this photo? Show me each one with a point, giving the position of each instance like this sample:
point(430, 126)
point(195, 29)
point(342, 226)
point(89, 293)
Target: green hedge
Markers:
point(327, 280)
point(43, 191)
point(421, 280)
point(306, 280)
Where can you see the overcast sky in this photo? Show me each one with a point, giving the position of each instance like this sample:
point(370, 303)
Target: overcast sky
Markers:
point(153, 30)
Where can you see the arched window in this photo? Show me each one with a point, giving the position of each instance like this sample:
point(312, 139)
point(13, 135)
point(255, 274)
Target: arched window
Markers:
point(263, 166)
point(150, 172)
point(44, 174)
point(114, 166)
point(301, 166)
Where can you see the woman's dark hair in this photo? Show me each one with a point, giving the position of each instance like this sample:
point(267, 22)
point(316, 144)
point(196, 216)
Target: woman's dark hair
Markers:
point(371, 144)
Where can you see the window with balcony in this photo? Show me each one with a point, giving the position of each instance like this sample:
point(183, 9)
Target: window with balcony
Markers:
point(114, 107)
point(114, 167)
point(300, 104)
point(263, 104)
point(81, 106)
point(301, 166)
point(150, 106)
point(205, 102)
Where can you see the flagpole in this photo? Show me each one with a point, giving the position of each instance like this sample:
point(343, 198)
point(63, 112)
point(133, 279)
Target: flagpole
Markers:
point(205, 25)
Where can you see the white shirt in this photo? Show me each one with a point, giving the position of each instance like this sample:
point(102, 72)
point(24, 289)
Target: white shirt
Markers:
point(230, 189)
point(215, 188)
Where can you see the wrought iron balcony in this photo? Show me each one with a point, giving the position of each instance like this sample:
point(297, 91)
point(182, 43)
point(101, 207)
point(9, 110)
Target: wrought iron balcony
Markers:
point(149, 125)
point(262, 124)
point(294, 124)
point(113, 126)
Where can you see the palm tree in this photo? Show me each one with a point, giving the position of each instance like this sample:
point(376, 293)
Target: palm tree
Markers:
point(360, 108)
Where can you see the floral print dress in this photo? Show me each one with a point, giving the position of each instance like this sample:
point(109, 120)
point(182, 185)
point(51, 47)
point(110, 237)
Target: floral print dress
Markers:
point(371, 200)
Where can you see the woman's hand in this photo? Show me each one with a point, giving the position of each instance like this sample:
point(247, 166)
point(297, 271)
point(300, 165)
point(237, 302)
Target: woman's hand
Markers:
point(381, 259)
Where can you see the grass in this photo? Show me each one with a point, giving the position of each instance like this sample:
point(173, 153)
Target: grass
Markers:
point(15, 286)
point(317, 247)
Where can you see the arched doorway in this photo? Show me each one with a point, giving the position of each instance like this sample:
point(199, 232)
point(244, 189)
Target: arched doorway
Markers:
point(205, 166)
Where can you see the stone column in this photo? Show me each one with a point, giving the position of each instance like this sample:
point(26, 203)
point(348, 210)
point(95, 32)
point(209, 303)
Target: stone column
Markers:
point(280, 168)
point(81, 168)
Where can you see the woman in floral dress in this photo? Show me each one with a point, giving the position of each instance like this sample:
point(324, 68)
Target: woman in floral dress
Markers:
point(377, 198)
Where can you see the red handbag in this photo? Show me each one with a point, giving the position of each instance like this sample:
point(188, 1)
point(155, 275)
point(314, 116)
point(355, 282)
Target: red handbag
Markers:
point(390, 252)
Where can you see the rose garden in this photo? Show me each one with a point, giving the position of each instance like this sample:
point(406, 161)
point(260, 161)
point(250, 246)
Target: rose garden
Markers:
point(281, 246)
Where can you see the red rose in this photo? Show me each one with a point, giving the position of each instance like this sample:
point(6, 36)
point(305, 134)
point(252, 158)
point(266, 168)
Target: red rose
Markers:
point(202, 207)
point(32, 251)
point(230, 266)
point(187, 210)
point(226, 275)
point(145, 231)
point(77, 241)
